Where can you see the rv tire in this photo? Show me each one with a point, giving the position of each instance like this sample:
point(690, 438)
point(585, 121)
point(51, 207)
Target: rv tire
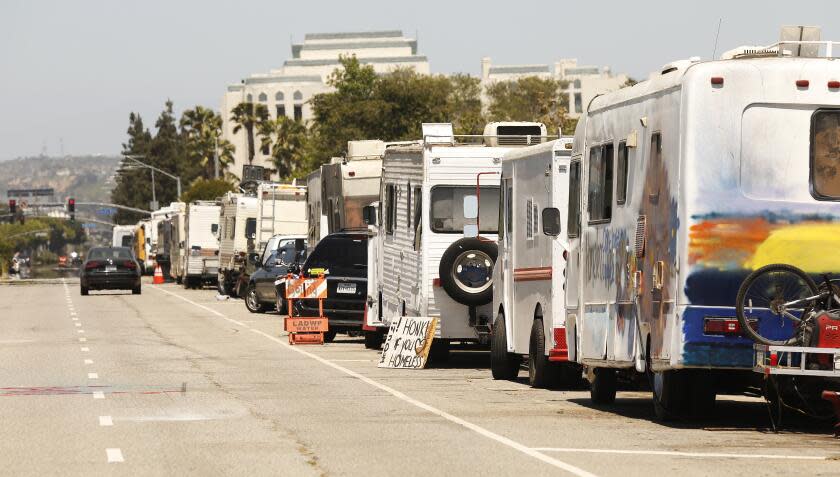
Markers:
point(503, 365)
point(670, 394)
point(602, 385)
point(541, 372)
point(373, 339)
point(439, 352)
point(459, 251)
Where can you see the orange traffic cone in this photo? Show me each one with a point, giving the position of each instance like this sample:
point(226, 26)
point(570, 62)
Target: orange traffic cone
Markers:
point(158, 279)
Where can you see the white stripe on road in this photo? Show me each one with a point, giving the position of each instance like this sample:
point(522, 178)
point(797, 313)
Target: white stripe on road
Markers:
point(98, 395)
point(77, 324)
point(399, 395)
point(93, 376)
point(106, 421)
point(85, 349)
point(88, 361)
point(114, 455)
point(681, 454)
point(82, 340)
point(80, 331)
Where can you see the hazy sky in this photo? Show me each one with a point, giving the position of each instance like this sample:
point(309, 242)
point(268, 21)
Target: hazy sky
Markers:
point(73, 70)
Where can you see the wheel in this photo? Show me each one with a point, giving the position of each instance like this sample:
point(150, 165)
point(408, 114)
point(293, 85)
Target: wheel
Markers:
point(135, 291)
point(503, 365)
point(702, 394)
point(84, 291)
point(466, 271)
point(670, 394)
point(760, 305)
point(373, 339)
point(282, 303)
point(329, 336)
point(252, 301)
point(603, 386)
point(439, 352)
point(541, 372)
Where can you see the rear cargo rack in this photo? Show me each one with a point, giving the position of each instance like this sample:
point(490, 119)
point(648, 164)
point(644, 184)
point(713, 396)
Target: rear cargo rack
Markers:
point(796, 360)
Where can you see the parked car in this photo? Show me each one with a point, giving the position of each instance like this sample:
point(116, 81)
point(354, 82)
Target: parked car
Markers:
point(280, 252)
point(342, 258)
point(110, 268)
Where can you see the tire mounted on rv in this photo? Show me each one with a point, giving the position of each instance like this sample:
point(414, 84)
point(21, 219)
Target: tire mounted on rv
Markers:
point(466, 271)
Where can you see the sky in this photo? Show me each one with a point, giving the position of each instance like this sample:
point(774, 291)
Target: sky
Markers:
point(71, 71)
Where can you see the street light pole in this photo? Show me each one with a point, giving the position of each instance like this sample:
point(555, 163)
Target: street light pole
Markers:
point(132, 157)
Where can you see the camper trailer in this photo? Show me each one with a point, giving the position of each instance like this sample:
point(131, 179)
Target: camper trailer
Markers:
point(236, 210)
point(123, 236)
point(201, 247)
point(528, 293)
point(419, 261)
point(281, 211)
point(177, 235)
point(680, 187)
point(317, 226)
point(350, 183)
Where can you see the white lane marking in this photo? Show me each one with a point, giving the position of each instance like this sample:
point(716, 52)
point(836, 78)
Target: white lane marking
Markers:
point(106, 421)
point(399, 395)
point(80, 331)
point(681, 454)
point(85, 349)
point(114, 455)
point(72, 313)
point(98, 395)
point(82, 340)
point(88, 361)
point(93, 376)
point(77, 324)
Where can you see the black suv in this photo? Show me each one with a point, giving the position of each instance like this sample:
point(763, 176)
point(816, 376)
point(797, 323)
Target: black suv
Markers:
point(342, 258)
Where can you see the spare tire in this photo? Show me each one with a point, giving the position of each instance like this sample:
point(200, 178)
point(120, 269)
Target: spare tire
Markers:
point(466, 271)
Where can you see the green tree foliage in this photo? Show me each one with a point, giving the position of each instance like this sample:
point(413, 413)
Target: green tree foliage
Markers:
point(287, 141)
point(50, 233)
point(201, 129)
point(464, 104)
point(206, 189)
point(250, 117)
point(529, 99)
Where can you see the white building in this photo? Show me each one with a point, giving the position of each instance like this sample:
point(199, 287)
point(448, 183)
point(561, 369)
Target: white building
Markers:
point(584, 82)
point(286, 90)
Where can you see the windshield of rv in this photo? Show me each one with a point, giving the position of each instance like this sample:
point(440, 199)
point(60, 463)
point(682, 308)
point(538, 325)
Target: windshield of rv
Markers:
point(447, 208)
point(339, 256)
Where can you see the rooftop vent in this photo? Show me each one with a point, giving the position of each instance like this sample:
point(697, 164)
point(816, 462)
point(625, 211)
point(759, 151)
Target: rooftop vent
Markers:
point(514, 133)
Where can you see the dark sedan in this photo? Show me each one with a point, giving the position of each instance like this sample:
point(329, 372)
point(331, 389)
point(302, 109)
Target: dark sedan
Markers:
point(110, 268)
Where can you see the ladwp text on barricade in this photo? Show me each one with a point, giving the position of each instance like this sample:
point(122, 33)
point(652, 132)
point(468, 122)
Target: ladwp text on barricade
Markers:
point(408, 342)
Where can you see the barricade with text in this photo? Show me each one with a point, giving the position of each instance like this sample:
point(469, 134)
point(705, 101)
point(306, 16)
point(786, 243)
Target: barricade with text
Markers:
point(301, 329)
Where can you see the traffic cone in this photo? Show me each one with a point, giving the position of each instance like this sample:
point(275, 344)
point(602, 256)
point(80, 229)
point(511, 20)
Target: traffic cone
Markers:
point(158, 278)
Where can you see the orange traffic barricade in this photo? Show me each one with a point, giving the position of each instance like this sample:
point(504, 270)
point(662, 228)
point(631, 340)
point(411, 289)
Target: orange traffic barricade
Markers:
point(302, 329)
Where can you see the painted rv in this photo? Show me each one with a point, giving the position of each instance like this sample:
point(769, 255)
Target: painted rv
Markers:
point(236, 210)
point(681, 186)
point(201, 246)
point(528, 294)
point(422, 265)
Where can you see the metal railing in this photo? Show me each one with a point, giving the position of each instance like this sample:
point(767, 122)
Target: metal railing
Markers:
point(802, 48)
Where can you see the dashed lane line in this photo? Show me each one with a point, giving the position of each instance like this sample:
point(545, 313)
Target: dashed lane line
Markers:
point(88, 361)
point(114, 455)
point(93, 376)
point(85, 349)
point(82, 340)
point(715, 455)
point(106, 421)
point(98, 395)
point(403, 397)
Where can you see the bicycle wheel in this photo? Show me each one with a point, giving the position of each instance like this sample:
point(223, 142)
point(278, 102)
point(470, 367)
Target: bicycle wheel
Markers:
point(763, 296)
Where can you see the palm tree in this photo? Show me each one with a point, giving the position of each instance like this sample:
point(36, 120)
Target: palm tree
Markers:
point(202, 127)
point(249, 116)
point(288, 150)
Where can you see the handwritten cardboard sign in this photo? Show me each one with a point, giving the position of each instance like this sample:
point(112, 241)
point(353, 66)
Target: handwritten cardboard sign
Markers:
point(408, 342)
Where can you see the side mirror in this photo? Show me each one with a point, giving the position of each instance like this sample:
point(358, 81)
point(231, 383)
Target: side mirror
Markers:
point(470, 216)
point(369, 215)
point(551, 221)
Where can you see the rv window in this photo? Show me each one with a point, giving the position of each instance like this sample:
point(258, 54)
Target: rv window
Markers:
point(250, 228)
point(502, 202)
point(509, 208)
point(600, 183)
point(447, 214)
point(621, 172)
point(418, 214)
point(214, 228)
point(391, 208)
point(825, 154)
point(408, 206)
point(574, 199)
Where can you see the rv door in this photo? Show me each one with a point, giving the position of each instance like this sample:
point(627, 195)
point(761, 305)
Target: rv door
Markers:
point(373, 317)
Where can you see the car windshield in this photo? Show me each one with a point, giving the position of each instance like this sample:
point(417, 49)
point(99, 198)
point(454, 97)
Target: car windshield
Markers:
point(339, 256)
point(106, 253)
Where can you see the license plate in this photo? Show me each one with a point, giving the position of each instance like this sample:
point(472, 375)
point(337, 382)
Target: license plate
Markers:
point(110, 268)
point(346, 288)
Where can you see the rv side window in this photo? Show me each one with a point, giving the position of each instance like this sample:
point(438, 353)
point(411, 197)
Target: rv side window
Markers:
point(621, 172)
point(574, 199)
point(408, 206)
point(214, 229)
point(502, 202)
point(391, 208)
point(825, 160)
point(509, 208)
point(447, 211)
point(418, 214)
point(600, 183)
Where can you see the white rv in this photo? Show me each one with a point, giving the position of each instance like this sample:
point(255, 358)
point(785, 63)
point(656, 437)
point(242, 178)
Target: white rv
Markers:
point(317, 221)
point(176, 236)
point(123, 236)
point(281, 210)
point(681, 186)
point(236, 210)
point(201, 246)
point(350, 183)
point(419, 262)
point(528, 295)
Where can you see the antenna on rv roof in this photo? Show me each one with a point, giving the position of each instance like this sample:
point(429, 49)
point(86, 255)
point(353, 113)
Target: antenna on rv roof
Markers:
point(714, 52)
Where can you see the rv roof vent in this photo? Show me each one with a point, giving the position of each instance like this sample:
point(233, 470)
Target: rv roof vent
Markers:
point(514, 133)
point(749, 52)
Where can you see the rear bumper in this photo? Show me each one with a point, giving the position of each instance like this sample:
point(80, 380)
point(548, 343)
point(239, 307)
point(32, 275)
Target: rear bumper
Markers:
point(560, 351)
point(102, 282)
point(712, 351)
point(203, 266)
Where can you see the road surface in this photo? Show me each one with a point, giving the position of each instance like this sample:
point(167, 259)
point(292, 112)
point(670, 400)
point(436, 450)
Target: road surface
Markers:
point(175, 382)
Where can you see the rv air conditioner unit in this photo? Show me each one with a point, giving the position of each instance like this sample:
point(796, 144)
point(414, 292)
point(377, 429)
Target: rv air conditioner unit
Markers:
point(514, 133)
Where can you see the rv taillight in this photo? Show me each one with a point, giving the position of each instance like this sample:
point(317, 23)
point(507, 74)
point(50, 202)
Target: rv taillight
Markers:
point(717, 80)
point(774, 359)
point(436, 282)
point(351, 174)
point(834, 85)
point(713, 325)
point(802, 83)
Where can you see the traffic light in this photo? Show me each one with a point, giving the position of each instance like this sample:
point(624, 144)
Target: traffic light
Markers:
point(12, 206)
point(71, 208)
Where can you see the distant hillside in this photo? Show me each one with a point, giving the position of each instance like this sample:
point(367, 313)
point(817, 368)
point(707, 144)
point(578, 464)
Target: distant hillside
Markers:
point(87, 178)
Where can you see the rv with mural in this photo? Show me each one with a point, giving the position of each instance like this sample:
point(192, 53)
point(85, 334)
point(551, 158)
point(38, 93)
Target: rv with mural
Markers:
point(528, 295)
point(681, 186)
point(419, 261)
point(236, 210)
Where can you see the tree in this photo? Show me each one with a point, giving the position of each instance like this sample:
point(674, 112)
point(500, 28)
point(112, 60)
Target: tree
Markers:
point(529, 99)
point(201, 128)
point(464, 104)
point(206, 189)
point(131, 182)
point(249, 116)
point(288, 141)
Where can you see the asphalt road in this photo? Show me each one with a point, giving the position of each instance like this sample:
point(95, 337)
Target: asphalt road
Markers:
point(174, 382)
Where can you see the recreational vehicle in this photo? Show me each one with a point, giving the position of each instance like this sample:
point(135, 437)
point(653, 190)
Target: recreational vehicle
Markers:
point(177, 235)
point(123, 236)
point(281, 211)
point(419, 262)
point(681, 186)
point(317, 226)
point(236, 210)
point(201, 247)
point(350, 183)
point(528, 295)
